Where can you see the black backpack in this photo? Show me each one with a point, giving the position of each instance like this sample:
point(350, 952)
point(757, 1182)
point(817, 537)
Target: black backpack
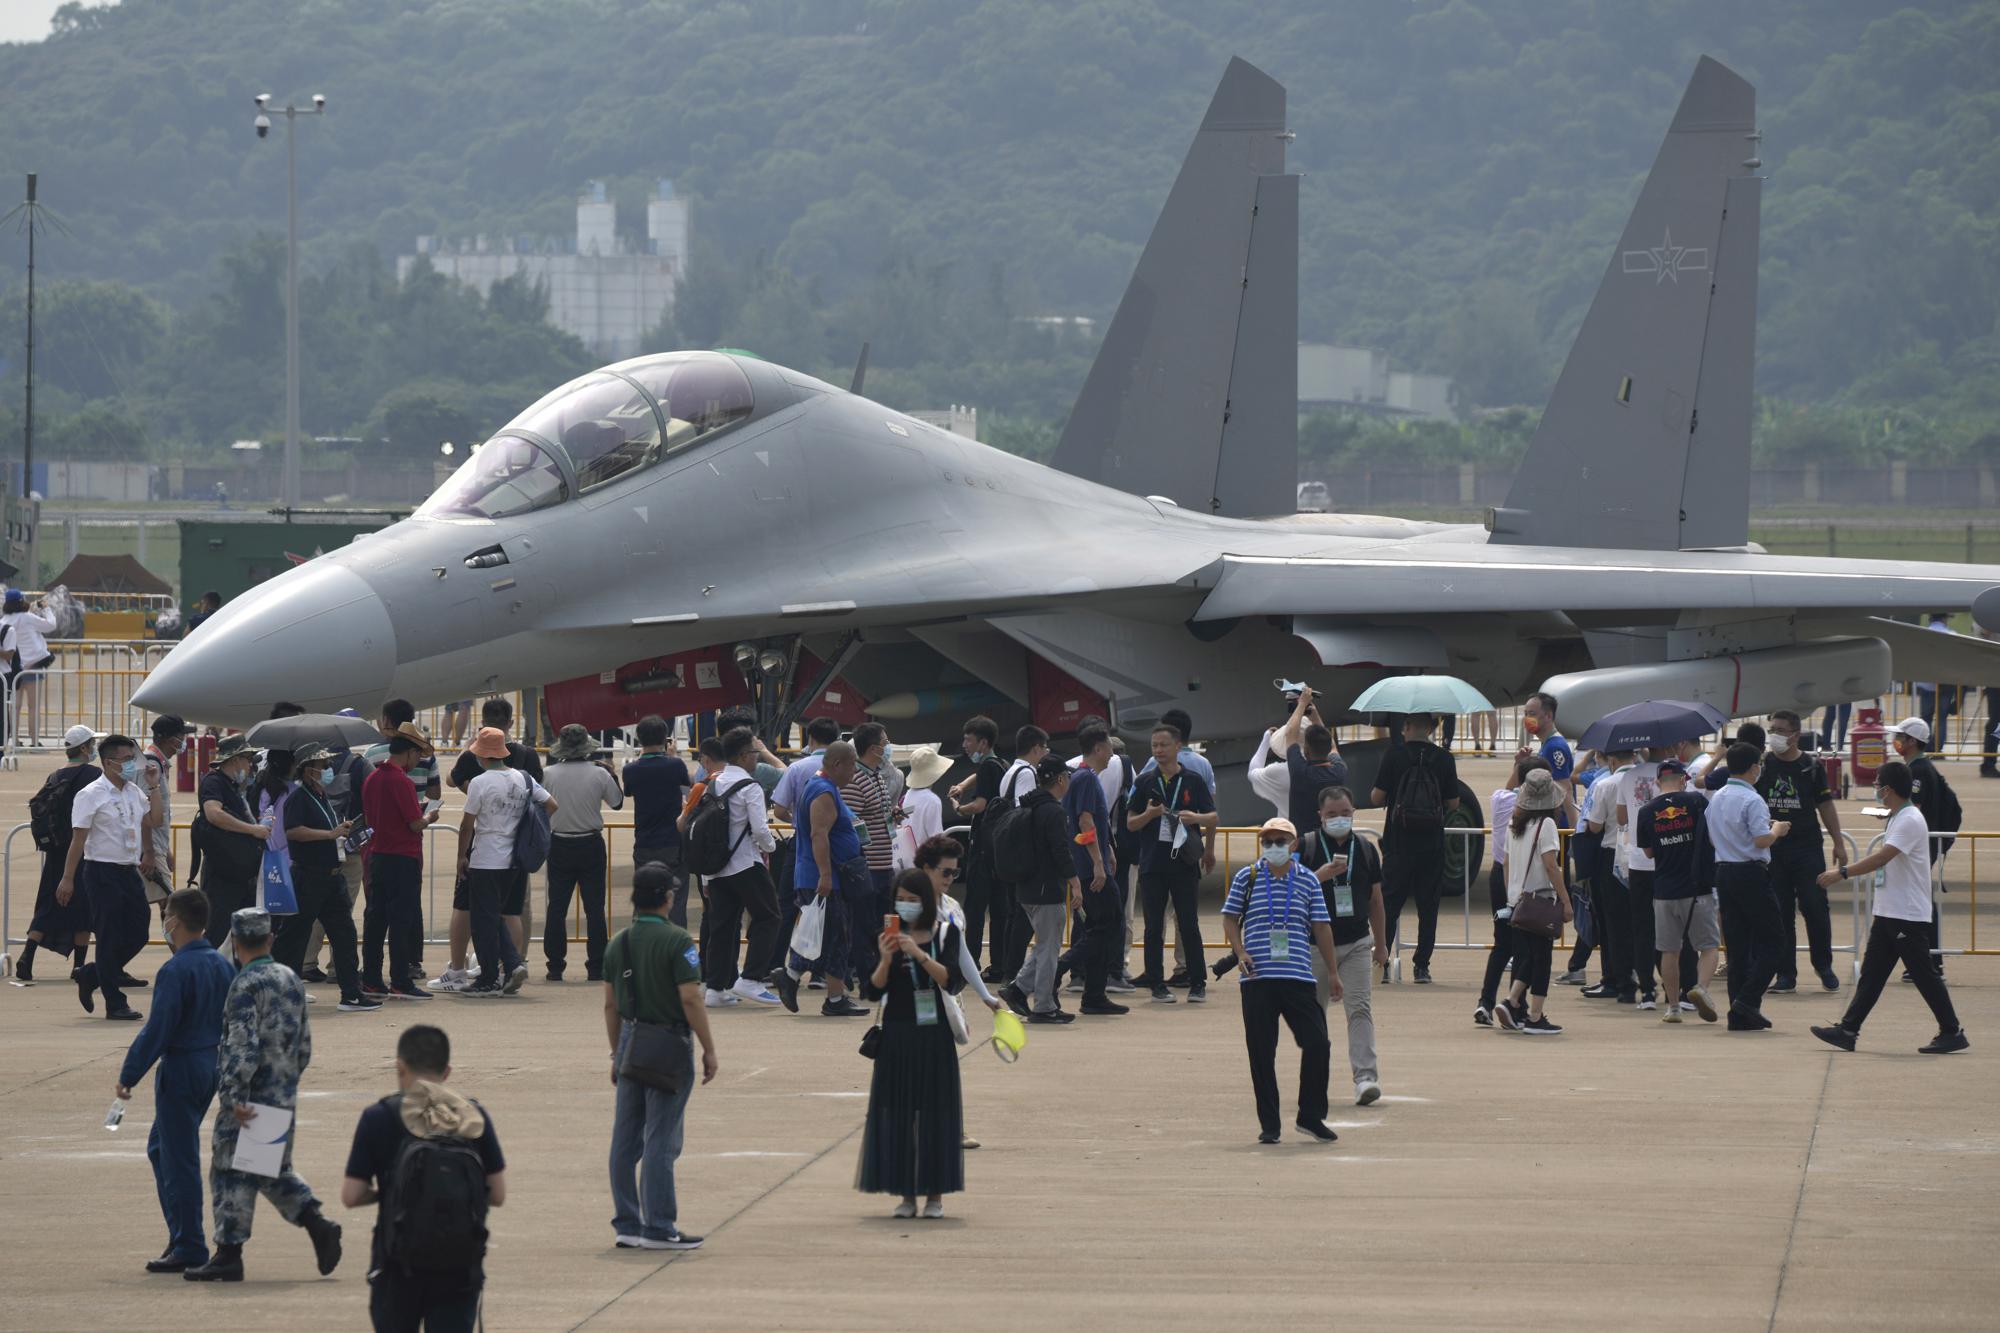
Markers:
point(1016, 851)
point(1419, 800)
point(49, 808)
point(708, 846)
point(434, 1210)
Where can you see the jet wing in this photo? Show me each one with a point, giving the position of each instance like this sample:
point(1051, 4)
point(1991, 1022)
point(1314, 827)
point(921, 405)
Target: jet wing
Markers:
point(1430, 579)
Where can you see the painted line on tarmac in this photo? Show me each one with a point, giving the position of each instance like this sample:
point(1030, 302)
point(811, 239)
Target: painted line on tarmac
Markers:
point(36, 1083)
point(1798, 1205)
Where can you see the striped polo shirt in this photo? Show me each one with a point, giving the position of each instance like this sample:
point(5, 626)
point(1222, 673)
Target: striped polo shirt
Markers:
point(1291, 900)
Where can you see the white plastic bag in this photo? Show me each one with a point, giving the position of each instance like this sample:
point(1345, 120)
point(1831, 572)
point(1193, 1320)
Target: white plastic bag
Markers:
point(954, 1013)
point(808, 934)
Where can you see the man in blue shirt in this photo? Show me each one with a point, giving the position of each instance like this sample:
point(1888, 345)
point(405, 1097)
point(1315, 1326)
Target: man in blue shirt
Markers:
point(181, 1034)
point(786, 798)
point(1098, 926)
point(1274, 908)
point(830, 867)
point(1538, 719)
point(657, 783)
point(1740, 827)
point(1170, 808)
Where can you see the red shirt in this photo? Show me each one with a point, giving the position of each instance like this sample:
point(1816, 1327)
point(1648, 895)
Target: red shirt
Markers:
point(388, 804)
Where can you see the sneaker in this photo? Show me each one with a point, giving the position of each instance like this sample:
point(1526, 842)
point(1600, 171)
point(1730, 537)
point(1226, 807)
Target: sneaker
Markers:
point(1829, 979)
point(409, 993)
point(1119, 986)
point(1782, 986)
point(626, 1242)
point(1014, 998)
point(1576, 978)
point(1075, 985)
point(1673, 1014)
point(374, 988)
point(720, 999)
point(453, 979)
point(934, 1209)
point(752, 992)
point(788, 990)
point(1482, 1017)
point(1316, 1129)
point(314, 976)
point(1161, 995)
point(1687, 1007)
point(842, 1007)
point(1052, 1016)
point(1268, 1136)
point(1541, 1027)
point(1385, 974)
point(907, 1208)
point(358, 1004)
point(481, 990)
point(1835, 1035)
point(1648, 1001)
point(1946, 1043)
point(515, 980)
point(1367, 1092)
point(1198, 995)
point(1423, 976)
point(1603, 990)
point(1628, 997)
point(1104, 1007)
point(1703, 1005)
point(680, 1240)
point(1505, 1018)
point(1179, 980)
point(554, 974)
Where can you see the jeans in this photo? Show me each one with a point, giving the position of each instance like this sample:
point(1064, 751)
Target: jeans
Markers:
point(400, 1302)
point(1178, 883)
point(1795, 882)
point(119, 920)
point(576, 864)
point(1355, 965)
point(729, 896)
point(1833, 726)
point(323, 901)
point(1751, 930)
point(1037, 977)
point(646, 1134)
point(485, 890)
point(1415, 872)
point(394, 912)
point(1265, 1001)
point(864, 923)
point(183, 1086)
point(1890, 941)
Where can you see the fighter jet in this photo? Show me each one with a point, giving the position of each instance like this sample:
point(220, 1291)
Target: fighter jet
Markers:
point(716, 509)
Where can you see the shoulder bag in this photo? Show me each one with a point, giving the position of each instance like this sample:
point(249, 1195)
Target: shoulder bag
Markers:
point(656, 1054)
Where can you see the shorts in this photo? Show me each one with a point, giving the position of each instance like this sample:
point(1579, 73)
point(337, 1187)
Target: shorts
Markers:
point(1696, 919)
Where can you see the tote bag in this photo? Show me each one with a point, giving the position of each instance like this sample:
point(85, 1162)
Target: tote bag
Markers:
point(279, 898)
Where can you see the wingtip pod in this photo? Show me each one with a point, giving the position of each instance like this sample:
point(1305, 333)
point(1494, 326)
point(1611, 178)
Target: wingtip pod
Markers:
point(1246, 99)
point(1717, 98)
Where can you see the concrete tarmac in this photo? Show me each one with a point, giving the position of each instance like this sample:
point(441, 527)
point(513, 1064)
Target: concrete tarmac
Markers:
point(1624, 1173)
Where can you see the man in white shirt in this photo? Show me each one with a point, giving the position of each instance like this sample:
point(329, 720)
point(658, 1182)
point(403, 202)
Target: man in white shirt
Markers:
point(744, 883)
point(583, 787)
point(108, 819)
point(1901, 928)
point(1636, 786)
point(495, 803)
point(1612, 899)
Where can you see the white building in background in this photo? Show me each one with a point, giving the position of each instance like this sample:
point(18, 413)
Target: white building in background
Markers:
point(962, 421)
point(601, 289)
point(1359, 377)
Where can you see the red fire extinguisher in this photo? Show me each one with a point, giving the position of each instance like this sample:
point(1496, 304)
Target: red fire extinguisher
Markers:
point(193, 761)
point(1868, 745)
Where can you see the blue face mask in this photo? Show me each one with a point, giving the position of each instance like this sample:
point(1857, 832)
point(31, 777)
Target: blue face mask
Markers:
point(129, 770)
point(326, 777)
point(909, 912)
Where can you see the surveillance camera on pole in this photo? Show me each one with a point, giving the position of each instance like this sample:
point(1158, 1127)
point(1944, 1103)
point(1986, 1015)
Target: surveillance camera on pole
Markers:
point(291, 113)
point(263, 124)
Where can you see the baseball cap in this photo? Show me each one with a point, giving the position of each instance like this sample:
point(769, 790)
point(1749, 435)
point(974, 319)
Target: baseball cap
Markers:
point(1673, 766)
point(1915, 728)
point(80, 735)
point(1279, 824)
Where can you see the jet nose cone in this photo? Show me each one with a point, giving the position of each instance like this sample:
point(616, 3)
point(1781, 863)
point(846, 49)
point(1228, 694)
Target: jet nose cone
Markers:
point(318, 636)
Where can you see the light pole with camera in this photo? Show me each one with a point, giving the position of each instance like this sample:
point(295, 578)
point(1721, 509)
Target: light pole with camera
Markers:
point(289, 483)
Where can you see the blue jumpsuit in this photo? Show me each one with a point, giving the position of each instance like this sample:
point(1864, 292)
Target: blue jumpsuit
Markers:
point(266, 1047)
point(181, 1033)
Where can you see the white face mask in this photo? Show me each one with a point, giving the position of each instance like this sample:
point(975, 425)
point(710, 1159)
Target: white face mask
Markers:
point(1277, 856)
point(909, 912)
point(1339, 826)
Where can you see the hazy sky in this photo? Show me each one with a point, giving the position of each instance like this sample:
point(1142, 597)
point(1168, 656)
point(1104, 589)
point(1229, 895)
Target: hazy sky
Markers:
point(27, 20)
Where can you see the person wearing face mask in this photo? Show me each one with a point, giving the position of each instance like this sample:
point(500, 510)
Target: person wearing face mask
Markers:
point(1500, 809)
point(1274, 916)
point(61, 928)
point(316, 834)
point(913, 1141)
point(156, 773)
point(109, 819)
point(229, 852)
point(181, 1036)
point(1794, 786)
point(1350, 875)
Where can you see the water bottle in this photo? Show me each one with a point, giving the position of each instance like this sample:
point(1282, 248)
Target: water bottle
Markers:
point(116, 1115)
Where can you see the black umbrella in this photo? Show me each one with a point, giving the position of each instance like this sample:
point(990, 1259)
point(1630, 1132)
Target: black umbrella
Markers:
point(1652, 723)
point(328, 729)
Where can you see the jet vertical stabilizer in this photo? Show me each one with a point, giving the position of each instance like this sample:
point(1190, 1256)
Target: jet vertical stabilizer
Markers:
point(1645, 444)
point(1194, 394)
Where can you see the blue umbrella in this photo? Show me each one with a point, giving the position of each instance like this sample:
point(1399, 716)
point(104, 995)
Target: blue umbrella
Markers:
point(1653, 722)
point(1421, 694)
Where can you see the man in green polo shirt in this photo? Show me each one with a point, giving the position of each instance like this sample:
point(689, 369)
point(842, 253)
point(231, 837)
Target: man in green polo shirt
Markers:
point(652, 975)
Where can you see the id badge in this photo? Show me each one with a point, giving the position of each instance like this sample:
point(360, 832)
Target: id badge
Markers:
point(1343, 900)
point(927, 1008)
point(861, 833)
point(340, 851)
point(1281, 945)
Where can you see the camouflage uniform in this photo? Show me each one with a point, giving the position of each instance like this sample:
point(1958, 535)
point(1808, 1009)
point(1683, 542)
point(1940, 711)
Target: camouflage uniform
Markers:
point(266, 1046)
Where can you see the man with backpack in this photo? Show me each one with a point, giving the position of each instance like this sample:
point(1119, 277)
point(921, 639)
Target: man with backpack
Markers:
point(1935, 801)
point(728, 836)
point(228, 842)
point(970, 797)
point(1415, 788)
point(656, 782)
point(430, 1161)
point(59, 927)
point(492, 863)
point(1010, 930)
point(1031, 852)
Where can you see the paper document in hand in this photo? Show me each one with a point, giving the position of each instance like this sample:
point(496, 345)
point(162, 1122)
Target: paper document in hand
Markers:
point(260, 1144)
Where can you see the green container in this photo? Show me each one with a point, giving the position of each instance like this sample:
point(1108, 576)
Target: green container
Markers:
point(231, 558)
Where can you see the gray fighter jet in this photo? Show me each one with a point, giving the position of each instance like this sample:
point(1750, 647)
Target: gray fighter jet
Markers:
point(711, 500)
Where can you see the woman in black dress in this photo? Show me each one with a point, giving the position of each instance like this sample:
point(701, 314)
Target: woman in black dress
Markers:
point(912, 1142)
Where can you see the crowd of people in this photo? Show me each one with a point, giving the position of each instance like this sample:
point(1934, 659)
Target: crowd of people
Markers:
point(1063, 863)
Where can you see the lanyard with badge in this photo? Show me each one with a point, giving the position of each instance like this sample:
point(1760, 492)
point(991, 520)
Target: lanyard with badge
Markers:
point(1343, 885)
point(1170, 824)
point(1279, 935)
point(923, 996)
point(339, 844)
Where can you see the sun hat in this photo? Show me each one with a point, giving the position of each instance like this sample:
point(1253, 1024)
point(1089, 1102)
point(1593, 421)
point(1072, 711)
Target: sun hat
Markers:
point(1539, 792)
point(572, 743)
point(229, 747)
point(927, 766)
point(415, 736)
point(1279, 824)
point(490, 743)
point(310, 753)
